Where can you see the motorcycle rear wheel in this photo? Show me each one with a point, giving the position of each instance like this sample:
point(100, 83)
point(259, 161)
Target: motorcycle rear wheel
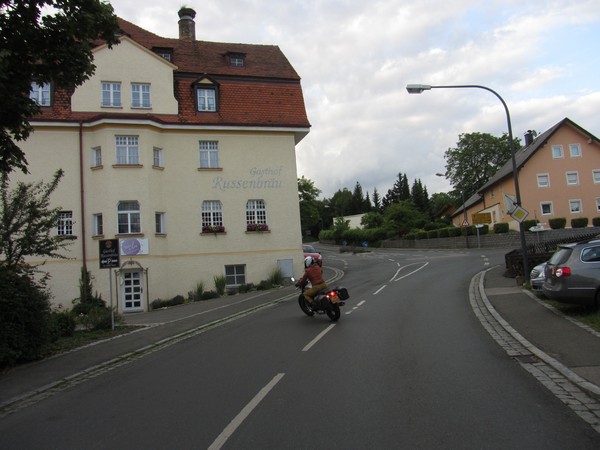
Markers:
point(304, 307)
point(334, 313)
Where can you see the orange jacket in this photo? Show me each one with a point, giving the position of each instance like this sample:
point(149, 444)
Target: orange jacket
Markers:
point(314, 274)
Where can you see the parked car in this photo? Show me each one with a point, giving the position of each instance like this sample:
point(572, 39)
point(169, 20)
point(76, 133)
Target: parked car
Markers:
point(537, 277)
point(309, 250)
point(573, 274)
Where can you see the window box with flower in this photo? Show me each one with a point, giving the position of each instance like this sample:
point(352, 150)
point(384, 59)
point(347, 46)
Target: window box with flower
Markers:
point(213, 229)
point(257, 227)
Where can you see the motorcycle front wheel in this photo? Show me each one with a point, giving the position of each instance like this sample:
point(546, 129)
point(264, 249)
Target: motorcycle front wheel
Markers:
point(304, 307)
point(334, 313)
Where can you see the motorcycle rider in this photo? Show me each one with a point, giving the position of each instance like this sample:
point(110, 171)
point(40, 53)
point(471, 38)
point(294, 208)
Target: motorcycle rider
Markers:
point(314, 274)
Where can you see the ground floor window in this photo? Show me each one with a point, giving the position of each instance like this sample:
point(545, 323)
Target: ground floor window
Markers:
point(235, 275)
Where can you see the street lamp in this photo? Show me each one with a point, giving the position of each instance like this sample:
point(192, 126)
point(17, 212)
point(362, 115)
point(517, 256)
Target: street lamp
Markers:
point(419, 88)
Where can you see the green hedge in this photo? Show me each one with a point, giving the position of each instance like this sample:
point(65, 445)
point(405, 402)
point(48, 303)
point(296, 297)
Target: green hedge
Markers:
point(501, 227)
point(557, 223)
point(579, 222)
point(596, 221)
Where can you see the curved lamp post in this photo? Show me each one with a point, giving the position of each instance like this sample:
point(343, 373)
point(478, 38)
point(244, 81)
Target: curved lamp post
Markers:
point(419, 88)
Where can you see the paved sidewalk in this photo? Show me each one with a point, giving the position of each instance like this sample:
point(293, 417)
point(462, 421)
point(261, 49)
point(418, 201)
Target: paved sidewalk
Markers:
point(570, 347)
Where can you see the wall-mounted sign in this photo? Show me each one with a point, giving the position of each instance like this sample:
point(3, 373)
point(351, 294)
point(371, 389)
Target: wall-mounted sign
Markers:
point(133, 246)
point(109, 253)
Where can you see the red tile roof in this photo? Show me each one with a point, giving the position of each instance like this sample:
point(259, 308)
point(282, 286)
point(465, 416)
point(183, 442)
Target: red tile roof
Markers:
point(266, 91)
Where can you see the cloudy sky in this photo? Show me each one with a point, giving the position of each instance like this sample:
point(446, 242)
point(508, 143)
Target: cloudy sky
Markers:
point(355, 59)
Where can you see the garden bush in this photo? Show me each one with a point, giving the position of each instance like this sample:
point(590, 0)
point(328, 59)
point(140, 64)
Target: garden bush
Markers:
point(454, 231)
point(207, 295)
point(98, 318)
point(596, 221)
point(557, 223)
point(443, 233)
point(24, 319)
point(579, 222)
point(501, 227)
point(62, 324)
point(527, 224)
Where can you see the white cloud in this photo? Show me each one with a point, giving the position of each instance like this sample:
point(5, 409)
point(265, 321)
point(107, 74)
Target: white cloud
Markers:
point(355, 59)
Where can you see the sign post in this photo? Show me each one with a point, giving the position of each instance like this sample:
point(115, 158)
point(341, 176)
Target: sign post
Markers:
point(109, 258)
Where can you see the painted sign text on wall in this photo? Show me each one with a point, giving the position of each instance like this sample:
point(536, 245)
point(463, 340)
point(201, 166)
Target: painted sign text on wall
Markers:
point(258, 178)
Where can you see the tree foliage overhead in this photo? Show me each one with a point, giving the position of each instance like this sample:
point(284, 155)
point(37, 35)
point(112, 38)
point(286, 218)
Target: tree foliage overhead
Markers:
point(476, 158)
point(44, 41)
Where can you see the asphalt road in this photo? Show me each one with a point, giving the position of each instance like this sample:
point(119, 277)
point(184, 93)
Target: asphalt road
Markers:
point(407, 366)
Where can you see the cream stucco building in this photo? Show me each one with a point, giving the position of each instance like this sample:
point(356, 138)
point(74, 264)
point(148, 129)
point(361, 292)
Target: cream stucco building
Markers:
point(184, 151)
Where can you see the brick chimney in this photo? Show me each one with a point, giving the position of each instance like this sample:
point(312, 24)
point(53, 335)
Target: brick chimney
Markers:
point(187, 26)
point(528, 137)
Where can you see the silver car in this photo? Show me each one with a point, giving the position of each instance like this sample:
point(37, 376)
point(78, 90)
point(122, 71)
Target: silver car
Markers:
point(537, 277)
point(573, 274)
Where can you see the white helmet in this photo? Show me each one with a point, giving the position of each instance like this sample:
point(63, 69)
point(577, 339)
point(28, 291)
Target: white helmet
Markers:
point(308, 261)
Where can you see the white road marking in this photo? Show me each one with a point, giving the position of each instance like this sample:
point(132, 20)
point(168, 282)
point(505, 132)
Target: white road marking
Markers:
point(319, 336)
point(245, 412)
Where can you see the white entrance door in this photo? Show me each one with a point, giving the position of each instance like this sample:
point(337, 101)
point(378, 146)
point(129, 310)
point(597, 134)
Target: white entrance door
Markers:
point(132, 292)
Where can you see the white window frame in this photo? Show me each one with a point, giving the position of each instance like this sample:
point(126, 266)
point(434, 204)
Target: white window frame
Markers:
point(596, 176)
point(598, 204)
point(209, 154)
point(40, 93)
point(558, 152)
point(575, 150)
point(550, 207)
point(235, 274)
point(96, 156)
point(129, 217)
point(160, 223)
point(97, 224)
point(575, 206)
point(572, 178)
point(212, 214)
point(140, 95)
point(111, 94)
point(65, 223)
point(540, 180)
point(256, 212)
point(157, 157)
point(127, 150)
point(206, 99)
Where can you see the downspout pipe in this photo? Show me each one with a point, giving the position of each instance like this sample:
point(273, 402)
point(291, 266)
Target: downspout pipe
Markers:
point(83, 221)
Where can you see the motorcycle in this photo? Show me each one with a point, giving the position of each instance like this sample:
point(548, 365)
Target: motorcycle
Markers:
point(328, 301)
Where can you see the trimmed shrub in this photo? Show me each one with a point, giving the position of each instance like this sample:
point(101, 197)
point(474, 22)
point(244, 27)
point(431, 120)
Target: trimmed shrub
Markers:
point(501, 227)
point(596, 221)
point(421, 235)
point(432, 234)
point(443, 233)
point(97, 319)
point(527, 224)
point(557, 223)
point(579, 222)
point(207, 295)
point(264, 285)
point(454, 232)
point(62, 323)
point(485, 229)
